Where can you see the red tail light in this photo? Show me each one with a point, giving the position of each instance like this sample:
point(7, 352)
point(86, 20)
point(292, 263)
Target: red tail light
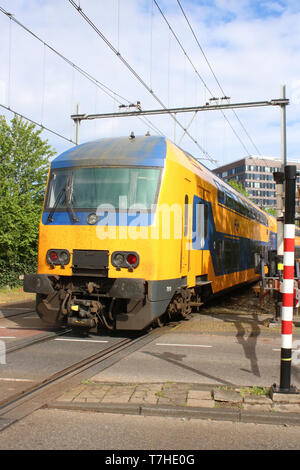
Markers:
point(53, 256)
point(125, 259)
point(131, 259)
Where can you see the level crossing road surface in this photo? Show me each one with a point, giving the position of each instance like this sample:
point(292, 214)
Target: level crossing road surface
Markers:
point(223, 350)
point(60, 429)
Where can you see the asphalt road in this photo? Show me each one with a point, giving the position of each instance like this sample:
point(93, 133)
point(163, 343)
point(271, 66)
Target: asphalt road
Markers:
point(202, 358)
point(219, 352)
point(58, 429)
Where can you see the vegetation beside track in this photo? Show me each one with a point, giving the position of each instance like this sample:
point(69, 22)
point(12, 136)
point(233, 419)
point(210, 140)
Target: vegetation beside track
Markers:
point(16, 294)
point(24, 163)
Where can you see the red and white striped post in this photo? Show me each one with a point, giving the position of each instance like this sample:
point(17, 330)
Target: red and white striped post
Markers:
point(288, 279)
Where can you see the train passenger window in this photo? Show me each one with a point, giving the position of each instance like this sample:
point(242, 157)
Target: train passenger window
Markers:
point(235, 257)
point(227, 255)
point(186, 215)
point(229, 202)
point(219, 256)
point(221, 196)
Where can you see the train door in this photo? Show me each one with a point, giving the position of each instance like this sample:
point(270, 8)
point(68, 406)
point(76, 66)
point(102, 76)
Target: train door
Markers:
point(186, 242)
point(199, 228)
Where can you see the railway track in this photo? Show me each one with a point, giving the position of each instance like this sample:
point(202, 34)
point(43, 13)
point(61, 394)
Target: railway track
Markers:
point(21, 404)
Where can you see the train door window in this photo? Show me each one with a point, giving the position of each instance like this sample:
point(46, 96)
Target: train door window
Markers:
point(186, 215)
point(235, 253)
point(219, 256)
point(200, 223)
point(227, 255)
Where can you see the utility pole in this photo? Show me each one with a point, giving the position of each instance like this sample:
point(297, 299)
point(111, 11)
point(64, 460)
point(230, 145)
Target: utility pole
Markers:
point(280, 186)
point(279, 179)
point(77, 125)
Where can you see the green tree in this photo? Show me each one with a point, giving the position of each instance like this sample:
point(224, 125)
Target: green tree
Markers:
point(24, 163)
point(239, 187)
point(270, 210)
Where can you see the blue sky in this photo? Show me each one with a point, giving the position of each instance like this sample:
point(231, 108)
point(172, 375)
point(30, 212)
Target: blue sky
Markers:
point(253, 47)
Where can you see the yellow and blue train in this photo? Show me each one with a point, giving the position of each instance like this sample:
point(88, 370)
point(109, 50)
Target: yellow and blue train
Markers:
point(134, 229)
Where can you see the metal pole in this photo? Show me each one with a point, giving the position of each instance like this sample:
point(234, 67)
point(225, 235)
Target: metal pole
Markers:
point(77, 124)
point(283, 127)
point(279, 196)
point(288, 279)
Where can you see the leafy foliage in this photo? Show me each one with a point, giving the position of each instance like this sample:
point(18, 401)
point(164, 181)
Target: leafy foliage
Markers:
point(24, 163)
point(239, 187)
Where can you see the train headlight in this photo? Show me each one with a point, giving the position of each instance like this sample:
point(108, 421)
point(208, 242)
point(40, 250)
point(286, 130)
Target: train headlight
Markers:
point(118, 259)
point(125, 259)
point(92, 219)
point(64, 257)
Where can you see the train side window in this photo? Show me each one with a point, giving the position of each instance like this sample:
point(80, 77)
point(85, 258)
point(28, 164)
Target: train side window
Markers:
point(229, 202)
point(186, 215)
point(235, 257)
point(221, 196)
point(219, 255)
point(227, 255)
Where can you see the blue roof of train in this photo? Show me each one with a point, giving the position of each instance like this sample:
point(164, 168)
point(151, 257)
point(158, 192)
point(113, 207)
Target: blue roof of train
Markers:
point(138, 151)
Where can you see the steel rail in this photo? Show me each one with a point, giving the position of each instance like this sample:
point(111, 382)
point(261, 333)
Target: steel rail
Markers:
point(36, 340)
point(37, 396)
point(62, 374)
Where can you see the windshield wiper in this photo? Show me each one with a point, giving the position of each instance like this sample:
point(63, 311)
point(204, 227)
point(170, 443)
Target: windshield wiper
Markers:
point(59, 196)
point(68, 190)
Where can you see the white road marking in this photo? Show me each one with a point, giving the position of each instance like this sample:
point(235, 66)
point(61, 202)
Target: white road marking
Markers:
point(15, 380)
point(81, 340)
point(185, 345)
point(8, 337)
point(278, 350)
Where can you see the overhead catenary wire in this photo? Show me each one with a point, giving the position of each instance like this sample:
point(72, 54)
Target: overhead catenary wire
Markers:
point(8, 108)
point(135, 74)
point(215, 77)
point(198, 74)
point(108, 91)
point(268, 164)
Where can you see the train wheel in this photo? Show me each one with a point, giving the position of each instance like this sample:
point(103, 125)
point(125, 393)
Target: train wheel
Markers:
point(180, 305)
point(159, 322)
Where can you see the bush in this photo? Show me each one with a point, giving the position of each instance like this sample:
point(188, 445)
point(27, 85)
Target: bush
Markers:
point(10, 273)
point(24, 164)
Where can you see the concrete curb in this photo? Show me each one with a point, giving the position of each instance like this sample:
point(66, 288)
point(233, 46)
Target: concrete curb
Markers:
point(182, 400)
point(215, 414)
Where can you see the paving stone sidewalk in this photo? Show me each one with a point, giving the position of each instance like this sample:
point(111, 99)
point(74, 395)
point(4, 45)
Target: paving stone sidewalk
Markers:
point(181, 395)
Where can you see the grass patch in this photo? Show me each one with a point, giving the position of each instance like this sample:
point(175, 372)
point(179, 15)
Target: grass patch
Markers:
point(258, 391)
point(15, 294)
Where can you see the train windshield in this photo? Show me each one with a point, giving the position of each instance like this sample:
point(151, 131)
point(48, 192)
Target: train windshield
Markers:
point(92, 187)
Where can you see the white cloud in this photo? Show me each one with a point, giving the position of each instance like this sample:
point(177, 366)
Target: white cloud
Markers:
point(252, 46)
